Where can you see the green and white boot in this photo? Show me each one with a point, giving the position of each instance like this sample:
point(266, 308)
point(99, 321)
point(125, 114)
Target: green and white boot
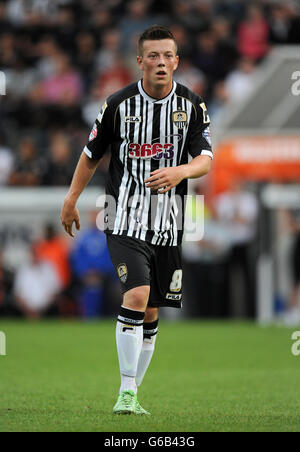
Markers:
point(140, 410)
point(126, 403)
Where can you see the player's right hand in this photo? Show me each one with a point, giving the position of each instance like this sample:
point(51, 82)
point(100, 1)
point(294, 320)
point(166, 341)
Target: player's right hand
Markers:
point(69, 215)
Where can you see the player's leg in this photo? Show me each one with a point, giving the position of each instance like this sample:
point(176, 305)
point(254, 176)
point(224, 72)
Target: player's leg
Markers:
point(129, 338)
point(166, 272)
point(150, 330)
point(129, 335)
point(130, 258)
point(166, 290)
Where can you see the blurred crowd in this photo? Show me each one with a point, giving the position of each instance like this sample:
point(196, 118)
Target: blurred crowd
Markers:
point(62, 58)
point(57, 278)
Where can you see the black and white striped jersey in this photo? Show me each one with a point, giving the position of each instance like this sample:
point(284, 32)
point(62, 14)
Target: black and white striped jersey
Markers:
point(145, 134)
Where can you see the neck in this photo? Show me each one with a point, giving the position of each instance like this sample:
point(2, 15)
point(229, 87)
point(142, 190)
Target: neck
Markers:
point(157, 92)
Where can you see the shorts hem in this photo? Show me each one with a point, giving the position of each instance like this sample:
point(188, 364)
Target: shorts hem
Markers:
point(133, 286)
point(165, 305)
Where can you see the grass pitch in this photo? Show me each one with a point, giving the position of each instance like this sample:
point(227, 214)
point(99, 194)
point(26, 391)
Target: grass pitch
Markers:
point(204, 376)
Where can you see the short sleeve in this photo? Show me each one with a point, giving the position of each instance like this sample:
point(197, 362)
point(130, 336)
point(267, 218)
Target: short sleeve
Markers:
point(199, 141)
point(101, 135)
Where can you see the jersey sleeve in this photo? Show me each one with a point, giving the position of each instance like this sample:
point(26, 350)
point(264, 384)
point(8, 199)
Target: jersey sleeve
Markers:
point(199, 142)
point(101, 135)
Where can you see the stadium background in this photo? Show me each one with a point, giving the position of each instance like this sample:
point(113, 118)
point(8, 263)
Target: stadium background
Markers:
point(61, 59)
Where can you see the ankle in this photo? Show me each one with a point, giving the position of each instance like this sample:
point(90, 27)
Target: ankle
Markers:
point(128, 384)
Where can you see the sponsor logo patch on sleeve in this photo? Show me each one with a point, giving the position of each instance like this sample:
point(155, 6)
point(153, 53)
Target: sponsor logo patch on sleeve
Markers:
point(93, 133)
point(206, 135)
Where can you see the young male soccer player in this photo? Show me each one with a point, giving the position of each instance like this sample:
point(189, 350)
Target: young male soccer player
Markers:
point(151, 127)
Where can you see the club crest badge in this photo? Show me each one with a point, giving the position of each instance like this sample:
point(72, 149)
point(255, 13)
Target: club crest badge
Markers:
point(122, 272)
point(180, 119)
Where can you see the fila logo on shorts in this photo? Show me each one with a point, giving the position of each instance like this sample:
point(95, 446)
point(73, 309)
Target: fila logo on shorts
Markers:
point(173, 296)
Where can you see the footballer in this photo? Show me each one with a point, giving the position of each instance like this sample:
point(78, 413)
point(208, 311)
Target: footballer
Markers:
point(158, 134)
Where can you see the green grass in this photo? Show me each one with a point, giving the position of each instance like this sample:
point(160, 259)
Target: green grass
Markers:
point(204, 376)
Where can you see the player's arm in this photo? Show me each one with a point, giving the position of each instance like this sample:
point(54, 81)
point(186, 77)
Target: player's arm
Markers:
point(99, 140)
point(85, 170)
point(199, 147)
point(164, 179)
point(198, 167)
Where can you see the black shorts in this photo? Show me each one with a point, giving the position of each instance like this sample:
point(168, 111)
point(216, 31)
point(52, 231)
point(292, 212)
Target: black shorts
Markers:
point(140, 263)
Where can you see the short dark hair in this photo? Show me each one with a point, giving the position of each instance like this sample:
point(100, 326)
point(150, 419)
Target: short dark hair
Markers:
point(154, 33)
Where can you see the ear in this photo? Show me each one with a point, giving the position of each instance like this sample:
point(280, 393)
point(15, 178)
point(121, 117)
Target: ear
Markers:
point(177, 62)
point(139, 60)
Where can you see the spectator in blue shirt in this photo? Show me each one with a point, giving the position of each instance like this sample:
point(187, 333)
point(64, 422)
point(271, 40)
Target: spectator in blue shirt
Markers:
point(92, 266)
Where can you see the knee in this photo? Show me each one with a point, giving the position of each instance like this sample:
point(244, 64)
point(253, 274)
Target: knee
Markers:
point(151, 315)
point(137, 298)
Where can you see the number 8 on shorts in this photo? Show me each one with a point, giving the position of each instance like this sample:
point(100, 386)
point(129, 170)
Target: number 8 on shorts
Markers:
point(176, 283)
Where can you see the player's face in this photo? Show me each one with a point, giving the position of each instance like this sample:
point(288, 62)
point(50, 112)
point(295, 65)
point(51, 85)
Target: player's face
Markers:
point(158, 62)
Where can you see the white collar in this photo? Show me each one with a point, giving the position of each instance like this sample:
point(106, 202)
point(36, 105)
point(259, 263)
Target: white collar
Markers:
point(152, 99)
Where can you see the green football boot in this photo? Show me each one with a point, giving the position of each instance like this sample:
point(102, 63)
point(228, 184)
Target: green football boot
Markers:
point(140, 410)
point(126, 403)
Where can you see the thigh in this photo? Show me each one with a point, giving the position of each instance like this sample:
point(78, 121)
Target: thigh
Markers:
point(166, 277)
point(131, 260)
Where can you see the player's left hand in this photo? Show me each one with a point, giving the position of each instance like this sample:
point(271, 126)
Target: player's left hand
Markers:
point(164, 179)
